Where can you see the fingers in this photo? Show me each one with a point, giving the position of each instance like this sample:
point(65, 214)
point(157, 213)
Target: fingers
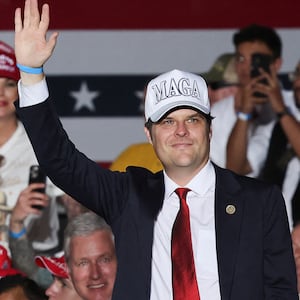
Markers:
point(18, 20)
point(31, 14)
point(45, 19)
point(273, 71)
point(27, 13)
point(52, 41)
point(27, 198)
point(31, 46)
point(34, 14)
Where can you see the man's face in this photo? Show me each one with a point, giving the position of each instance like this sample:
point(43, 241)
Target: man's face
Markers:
point(181, 141)
point(93, 265)
point(62, 288)
point(244, 53)
point(296, 85)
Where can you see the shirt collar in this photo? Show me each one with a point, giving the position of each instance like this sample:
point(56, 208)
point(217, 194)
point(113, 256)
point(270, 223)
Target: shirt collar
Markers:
point(200, 184)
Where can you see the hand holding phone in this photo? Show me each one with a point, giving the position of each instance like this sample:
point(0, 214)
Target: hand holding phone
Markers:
point(36, 175)
point(260, 61)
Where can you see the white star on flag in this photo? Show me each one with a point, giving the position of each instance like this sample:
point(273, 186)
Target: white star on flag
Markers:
point(84, 98)
point(140, 95)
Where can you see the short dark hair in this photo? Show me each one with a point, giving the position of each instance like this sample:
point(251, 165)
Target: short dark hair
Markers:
point(264, 34)
point(31, 289)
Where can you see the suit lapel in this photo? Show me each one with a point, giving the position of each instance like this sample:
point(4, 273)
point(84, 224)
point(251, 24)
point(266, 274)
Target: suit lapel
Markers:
point(150, 195)
point(228, 216)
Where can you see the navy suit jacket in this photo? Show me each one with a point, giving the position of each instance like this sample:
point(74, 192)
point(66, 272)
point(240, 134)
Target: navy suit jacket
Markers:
point(254, 252)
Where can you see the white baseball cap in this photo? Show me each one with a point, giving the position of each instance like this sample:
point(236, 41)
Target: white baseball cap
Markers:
point(174, 89)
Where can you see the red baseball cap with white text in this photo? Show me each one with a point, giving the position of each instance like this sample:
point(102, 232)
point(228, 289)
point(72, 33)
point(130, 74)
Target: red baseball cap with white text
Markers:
point(8, 65)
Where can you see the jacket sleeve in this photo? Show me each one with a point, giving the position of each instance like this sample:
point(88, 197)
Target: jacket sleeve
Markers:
point(98, 189)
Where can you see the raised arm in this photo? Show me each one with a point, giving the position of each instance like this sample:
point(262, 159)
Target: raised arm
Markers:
point(69, 169)
point(237, 144)
point(31, 45)
point(239, 139)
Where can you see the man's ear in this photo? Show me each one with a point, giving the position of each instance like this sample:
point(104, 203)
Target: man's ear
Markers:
point(148, 135)
point(278, 63)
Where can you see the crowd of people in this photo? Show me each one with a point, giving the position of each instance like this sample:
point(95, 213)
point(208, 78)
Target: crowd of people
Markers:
point(209, 208)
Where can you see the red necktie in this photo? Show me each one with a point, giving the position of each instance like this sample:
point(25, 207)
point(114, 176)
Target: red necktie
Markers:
point(183, 269)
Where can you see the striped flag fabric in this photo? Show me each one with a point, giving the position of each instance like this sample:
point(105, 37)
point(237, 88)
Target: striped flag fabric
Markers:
point(108, 51)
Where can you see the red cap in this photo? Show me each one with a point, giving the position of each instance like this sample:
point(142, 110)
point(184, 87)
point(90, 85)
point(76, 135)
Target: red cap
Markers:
point(8, 67)
point(5, 264)
point(56, 266)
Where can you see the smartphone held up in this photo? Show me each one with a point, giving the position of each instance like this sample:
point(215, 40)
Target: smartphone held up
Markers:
point(36, 175)
point(260, 61)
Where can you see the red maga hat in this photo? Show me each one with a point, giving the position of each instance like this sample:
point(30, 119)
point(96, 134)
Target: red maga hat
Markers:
point(8, 66)
point(55, 265)
point(5, 264)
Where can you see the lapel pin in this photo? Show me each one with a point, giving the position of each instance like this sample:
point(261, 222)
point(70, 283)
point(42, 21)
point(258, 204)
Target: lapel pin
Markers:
point(230, 209)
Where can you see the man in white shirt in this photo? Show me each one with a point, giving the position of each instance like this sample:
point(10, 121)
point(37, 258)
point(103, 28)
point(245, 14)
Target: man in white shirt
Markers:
point(243, 123)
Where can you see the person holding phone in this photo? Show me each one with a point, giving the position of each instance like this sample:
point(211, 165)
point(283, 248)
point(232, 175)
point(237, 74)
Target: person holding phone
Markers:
point(282, 165)
point(258, 100)
point(18, 239)
point(232, 229)
point(17, 157)
point(243, 123)
point(265, 143)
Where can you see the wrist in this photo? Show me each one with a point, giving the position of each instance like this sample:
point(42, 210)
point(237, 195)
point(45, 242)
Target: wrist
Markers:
point(31, 79)
point(16, 225)
point(244, 116)
point(285, 111)
point(30, 70)
point(17, 235)
point(16, 221)
point(30, 75)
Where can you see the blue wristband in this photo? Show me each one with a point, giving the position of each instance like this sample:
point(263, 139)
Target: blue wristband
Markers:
point(17, 235)
point(244, 116)
point(30, 70)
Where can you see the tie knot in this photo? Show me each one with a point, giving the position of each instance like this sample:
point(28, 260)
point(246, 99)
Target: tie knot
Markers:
point(182, 192)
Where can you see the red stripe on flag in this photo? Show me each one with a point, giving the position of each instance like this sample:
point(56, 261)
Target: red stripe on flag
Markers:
point(157, 14)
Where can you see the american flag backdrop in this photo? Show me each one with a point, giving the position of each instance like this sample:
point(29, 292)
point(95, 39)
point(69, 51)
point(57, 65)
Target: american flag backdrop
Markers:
point(107, 51)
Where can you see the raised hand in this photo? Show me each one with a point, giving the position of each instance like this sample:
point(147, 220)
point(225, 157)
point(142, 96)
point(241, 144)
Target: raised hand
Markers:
point(26, 201)
point(24, 206)
point(32, 47)
point(272, 89)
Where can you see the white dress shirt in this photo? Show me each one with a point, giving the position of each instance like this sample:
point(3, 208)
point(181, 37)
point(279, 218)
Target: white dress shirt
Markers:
point(201, 205)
